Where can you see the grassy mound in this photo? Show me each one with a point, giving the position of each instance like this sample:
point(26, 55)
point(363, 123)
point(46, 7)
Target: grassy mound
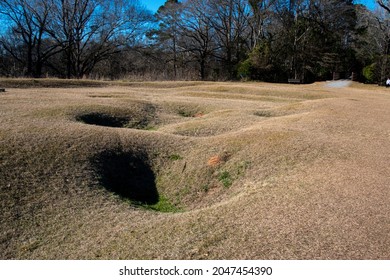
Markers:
point(49, 83)
point(213, 171)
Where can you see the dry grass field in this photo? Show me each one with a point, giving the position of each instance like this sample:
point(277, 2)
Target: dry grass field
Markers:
point(193, 170)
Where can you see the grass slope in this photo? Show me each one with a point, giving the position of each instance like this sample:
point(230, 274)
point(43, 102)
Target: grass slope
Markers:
point(192, 170)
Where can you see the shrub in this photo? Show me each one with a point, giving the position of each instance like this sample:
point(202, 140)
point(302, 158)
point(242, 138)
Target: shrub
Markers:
point(369, 73)
point(244, 70)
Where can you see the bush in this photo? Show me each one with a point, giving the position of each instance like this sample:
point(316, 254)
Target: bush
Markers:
point(244, 70)
point(369, 73)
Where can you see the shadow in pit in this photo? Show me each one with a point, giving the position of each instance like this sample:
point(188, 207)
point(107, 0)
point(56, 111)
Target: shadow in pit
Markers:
point(103, 119)
point(127, 175)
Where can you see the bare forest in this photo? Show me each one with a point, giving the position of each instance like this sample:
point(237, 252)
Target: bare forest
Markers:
point(262, 40)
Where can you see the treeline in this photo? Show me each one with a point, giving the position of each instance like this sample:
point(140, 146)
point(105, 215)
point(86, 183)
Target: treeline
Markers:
point(267, 40)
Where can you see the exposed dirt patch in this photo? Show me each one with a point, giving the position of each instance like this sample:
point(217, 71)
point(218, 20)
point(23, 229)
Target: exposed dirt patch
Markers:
point(218, 159)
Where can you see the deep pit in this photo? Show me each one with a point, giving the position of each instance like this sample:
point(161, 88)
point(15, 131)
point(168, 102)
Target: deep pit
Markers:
point(145, 122)
point(127, 175)
point(103, 119)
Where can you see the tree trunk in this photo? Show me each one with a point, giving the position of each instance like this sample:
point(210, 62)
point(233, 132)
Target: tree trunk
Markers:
point(202, 69)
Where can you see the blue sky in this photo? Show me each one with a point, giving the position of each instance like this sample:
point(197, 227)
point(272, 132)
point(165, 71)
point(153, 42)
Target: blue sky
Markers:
point(153, 5)
point(369, 3)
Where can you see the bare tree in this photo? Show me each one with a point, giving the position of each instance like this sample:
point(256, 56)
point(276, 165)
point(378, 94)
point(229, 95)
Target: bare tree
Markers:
point(259, 20)
point(384, 4)
point(227, 18)
point(197, 34)
point(167, 34)
point(26, 38)
point(384, 39)
point(269, 40)
point(89, 31)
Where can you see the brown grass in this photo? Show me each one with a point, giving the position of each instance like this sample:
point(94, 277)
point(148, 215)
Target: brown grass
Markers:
point(242, 171)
